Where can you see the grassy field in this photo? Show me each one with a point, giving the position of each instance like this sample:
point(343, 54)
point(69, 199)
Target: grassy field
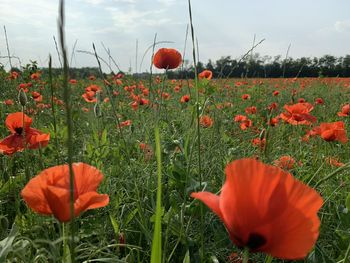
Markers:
point(114, 130)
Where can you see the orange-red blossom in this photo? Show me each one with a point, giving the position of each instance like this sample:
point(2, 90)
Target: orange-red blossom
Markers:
point(48, 193)
point(19, 124)
point(266, 209)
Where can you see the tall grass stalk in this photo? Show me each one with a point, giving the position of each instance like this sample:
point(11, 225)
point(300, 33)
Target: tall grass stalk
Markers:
point(198, 126)
point(67, 102)
point(156, 255)
point(53, 111)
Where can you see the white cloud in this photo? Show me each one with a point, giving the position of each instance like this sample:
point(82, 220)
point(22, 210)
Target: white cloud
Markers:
point(342, 26)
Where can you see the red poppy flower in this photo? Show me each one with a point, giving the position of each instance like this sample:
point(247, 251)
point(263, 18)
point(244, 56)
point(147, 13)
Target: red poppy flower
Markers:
point(48, 193)
point(35, 75)
point(275, 93)
point(89, 96)
point(301, 100)
point(167, 58)
point(285, 162)
point(73, 81)
point(345, 111)
point(246, 124)
point(334, 162)
point(266, 209)
point(205, 121)
point(319, 101)
point(205, 74)
point(240, 118)
point(250, 110)
point(298, 113)
point(185, 98)
point(37, 97)
point(125, 123)
point(333, 131)
point(8, 102)
point(245, 96)
point(18, 124)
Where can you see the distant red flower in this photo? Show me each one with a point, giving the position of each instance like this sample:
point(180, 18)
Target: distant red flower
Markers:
point(298, 114)
point(19, 123)
point(319, 101)
point(8, 102)
point(185, 98)
point(245, 96)
point(48, 193)
point(73, 81)
point(89, 96)
point(246, 124)
point(334, 162)
point(205, 74)
point(285, 162)
point(259, 142)
point(272, 106)
point(273, 121)
point(333, 131)
point(37, 97)
point(301, 100)
point(167, 58)
point(13, 75)
point(35, 75)
point(276, 93)
point(92, 77)
point(250, 110)
point(205, 121)
point(266, 209)
point(240, 118)
point(125, 123)
point(345, 111)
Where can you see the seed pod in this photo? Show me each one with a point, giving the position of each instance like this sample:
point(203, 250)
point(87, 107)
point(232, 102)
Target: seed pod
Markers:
point(22, 97)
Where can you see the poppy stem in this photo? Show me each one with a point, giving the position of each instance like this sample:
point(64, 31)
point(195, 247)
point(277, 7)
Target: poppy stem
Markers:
point(268, 259)
point(246, 255)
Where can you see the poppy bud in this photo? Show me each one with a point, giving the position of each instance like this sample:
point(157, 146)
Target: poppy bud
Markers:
point(22, 97)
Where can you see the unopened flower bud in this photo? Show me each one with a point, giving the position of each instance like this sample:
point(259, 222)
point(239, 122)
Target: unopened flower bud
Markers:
point(22, 97)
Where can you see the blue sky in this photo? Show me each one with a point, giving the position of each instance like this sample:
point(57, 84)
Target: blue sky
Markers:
point(222, 27)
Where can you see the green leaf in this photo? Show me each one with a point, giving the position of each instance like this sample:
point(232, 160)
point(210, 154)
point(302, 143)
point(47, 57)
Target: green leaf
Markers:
point(187, 257)
point(347, 202)
point(6, 244)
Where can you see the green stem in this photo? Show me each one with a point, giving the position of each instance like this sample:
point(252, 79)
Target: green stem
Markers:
point(246, 255)
point(268, 259)
point(347, 254)
point(69, 142)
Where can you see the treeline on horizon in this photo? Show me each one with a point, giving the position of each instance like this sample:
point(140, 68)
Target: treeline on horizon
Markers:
point(254, 66)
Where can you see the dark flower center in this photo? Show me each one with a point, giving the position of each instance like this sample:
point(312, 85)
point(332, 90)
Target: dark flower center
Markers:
point(19, 130)
point(255, 241)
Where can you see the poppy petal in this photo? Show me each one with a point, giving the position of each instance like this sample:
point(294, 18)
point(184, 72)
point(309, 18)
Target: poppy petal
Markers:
point(90, 200)
point(34, 196)
point(86, 178)
point(17, 120)
point(59, 201)
point(210, 200)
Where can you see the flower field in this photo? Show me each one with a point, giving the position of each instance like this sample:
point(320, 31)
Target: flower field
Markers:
point(299, 125)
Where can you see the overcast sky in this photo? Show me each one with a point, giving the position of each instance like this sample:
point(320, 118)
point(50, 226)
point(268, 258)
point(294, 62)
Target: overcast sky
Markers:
point(222, 27)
